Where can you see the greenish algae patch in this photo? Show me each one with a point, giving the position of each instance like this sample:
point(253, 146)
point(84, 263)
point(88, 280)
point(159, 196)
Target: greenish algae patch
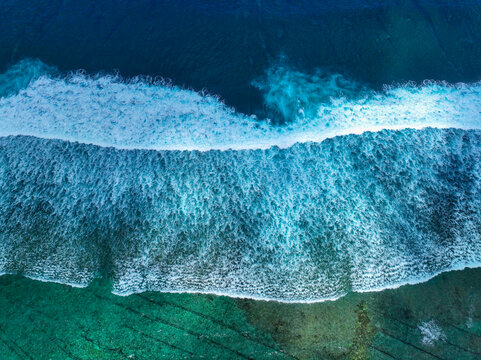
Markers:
point(363, 335)
point(440, 319)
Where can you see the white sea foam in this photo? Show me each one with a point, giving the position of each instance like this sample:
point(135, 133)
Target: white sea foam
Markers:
point(305, 223)
point(302, 224)
point(431, 332)
point(140, 114)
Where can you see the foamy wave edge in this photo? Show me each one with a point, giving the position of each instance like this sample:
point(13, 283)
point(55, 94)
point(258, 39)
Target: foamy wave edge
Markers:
point(153, 115)
point(233, 295)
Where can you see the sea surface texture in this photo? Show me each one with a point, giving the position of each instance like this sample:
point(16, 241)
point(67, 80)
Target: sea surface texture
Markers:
point(310, 222)
point(194, 179)
point(276, 151)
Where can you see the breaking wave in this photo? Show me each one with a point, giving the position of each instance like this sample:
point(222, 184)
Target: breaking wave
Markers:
point(307, 223)
point(290, 215)
point(145, 114)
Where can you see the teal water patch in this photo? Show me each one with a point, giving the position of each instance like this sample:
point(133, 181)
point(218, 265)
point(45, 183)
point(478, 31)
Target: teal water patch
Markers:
point(22, 74)
point(437, 319)
point(293, 94)
point(60, 322)
point(307, 223)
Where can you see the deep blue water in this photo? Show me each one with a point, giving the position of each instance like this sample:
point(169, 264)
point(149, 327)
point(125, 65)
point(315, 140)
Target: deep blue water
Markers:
point(262, 149)
point(223, 46)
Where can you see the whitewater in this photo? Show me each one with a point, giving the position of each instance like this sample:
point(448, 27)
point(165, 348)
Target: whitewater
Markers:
point(142, 113)
point(101, 176)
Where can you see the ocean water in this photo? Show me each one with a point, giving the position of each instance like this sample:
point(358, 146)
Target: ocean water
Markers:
point(289, 152)
point(142, 113)
point(438, 318)
point(306, 223)
point(222, 47)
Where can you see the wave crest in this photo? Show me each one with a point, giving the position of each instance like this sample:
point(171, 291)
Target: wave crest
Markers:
point(138, 114)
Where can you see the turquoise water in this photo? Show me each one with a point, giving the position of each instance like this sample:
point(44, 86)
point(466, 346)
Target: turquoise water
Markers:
point(222, 170)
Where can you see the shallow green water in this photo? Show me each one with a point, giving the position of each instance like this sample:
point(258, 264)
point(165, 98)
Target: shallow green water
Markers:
point(440, 319)
point(295, 221)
